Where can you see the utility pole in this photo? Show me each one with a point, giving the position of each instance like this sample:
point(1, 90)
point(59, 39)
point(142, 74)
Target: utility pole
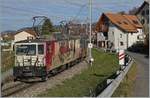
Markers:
point(90, 37)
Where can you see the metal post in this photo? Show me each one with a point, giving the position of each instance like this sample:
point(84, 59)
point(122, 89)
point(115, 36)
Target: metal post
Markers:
point(118, 45)
point(90, 48)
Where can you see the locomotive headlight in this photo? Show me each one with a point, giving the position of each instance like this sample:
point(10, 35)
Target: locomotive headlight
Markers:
point(27, 68)
point(92, 59)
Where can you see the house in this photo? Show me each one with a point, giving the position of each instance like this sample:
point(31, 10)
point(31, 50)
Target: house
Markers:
point(76, 28)
point(7, 36)
point(117, 31)
point(24, 35)
point(143, 14)
point(7, 39)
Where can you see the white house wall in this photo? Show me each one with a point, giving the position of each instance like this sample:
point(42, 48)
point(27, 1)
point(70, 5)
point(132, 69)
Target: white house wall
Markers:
point(133, 37)
point(111, 36)
point(100, 36)
point(119, 36)
point(22, 36)
point(111, 32)
point(116, 38)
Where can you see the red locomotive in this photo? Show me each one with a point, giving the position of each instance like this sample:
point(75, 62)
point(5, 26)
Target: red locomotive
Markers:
point(41, 57)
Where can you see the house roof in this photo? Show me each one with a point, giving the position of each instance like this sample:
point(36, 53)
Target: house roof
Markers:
point(128, 23)
point(30, 31)
point(133, 20)
point(146, 2)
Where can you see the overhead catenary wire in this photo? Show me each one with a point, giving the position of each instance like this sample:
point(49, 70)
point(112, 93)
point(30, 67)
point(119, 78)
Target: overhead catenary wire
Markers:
point(81, 5)
point(31, 12)
point(73, 3)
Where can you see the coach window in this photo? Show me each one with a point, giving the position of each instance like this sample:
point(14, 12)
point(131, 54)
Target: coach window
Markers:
point(40, 49)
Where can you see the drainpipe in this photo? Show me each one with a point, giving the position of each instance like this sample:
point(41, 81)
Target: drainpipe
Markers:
point(127, 39)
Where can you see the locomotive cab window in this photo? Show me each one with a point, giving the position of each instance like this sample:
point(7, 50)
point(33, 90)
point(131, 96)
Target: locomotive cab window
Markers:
point(26, 49)
point(41, 49)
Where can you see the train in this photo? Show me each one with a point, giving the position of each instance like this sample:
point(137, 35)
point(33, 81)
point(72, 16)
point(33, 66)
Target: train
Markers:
point(40, 58)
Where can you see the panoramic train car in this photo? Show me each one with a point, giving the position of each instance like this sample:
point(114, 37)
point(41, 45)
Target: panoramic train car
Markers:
point(40, 57)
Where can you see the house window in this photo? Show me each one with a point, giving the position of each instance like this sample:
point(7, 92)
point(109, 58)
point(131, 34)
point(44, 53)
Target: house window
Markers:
point(119, 22)
point(112, 33)
point(125, 22)
point(135, 22)
point(121, 43)
point(29, 37)
point(143, 13)
point(138, 37)
point(143, 21)
point(147, 12)
point(120, 35)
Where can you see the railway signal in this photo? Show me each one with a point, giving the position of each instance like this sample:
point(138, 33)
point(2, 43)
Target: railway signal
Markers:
point(121, 58)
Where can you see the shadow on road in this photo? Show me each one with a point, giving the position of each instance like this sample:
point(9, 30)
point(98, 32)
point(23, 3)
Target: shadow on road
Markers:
point(140, 49)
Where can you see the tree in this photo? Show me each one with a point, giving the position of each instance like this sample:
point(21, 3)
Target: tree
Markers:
point(122, 12)
point(133, 11)
point(47, 27)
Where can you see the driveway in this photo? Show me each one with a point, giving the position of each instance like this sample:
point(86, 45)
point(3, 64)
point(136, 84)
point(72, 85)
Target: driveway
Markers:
point(141, 86)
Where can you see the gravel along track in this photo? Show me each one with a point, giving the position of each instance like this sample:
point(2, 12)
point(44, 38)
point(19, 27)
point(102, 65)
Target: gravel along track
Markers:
point(13, 87)
point(20, 89)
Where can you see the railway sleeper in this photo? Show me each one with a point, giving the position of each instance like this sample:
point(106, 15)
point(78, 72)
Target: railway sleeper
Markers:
point(44, 78)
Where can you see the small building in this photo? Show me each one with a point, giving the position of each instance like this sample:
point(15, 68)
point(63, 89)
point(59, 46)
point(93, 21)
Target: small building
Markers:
point(143, 15)
point(7, 40)
point(116, 31)
point(24, 35)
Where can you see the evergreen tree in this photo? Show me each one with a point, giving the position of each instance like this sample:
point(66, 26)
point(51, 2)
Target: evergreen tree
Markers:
point(47, 27)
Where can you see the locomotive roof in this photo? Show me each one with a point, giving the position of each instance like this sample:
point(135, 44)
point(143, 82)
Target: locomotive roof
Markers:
point(32, 41)
point(44, 40)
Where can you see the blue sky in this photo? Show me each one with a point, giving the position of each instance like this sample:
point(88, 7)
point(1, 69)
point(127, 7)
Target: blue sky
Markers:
point(16, 14)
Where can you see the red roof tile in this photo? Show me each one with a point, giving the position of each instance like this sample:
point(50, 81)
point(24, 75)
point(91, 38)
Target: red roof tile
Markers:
point(128, 23)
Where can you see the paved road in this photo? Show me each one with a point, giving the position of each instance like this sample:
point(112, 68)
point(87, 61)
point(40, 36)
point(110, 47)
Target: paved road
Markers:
point(141, 86)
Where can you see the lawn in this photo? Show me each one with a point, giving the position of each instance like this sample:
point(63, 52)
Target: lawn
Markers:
point(7, 61)
point(126, 86)
point(80, 85)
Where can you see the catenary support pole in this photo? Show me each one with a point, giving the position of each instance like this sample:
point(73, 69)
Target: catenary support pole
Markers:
point(90, 35)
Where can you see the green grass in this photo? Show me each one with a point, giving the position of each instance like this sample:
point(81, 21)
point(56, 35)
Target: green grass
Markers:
point(126, 86)
point(80, 85)
point(8, 60)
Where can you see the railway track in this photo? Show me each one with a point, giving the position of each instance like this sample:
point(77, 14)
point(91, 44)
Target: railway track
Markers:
point(13, 88)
